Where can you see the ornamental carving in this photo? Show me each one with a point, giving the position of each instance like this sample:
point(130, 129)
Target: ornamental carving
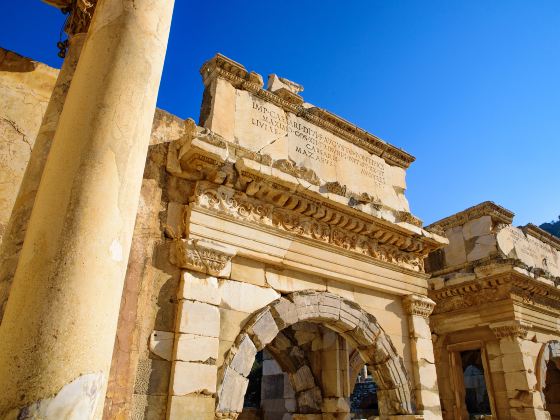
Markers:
point(81, 13)
point(513, 286)
point(279, 209)
point(203, 256)
point(512, 329)
point(418, 305)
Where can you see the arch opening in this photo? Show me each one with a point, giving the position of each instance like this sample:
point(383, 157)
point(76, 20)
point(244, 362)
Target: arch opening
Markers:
point(276, 322)
point(548, 377)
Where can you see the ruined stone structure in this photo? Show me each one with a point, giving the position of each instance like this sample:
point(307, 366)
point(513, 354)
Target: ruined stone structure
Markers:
point(496, 289)
point(161, 268)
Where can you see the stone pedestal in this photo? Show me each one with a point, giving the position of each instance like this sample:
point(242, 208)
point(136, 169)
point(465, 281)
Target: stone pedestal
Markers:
point(17, 225)
point(424, 374)
point(59, 325)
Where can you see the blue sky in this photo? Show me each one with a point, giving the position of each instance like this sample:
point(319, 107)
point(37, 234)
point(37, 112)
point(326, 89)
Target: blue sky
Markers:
point(471, 88)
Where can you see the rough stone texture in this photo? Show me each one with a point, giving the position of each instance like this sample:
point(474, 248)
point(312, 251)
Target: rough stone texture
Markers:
point(245, 297)
point(196, 348)
point(199, 407)
point(191, 378)
point(199, 318)
point(199, 287)
point(25, 89)
point(161, 344)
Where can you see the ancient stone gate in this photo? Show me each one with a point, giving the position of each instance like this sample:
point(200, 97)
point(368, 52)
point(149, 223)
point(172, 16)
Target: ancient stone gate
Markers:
point(290, 232)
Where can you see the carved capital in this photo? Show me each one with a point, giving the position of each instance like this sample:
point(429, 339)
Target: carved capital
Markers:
point(510, 329)
point(81, 13)
point(418, 305)
point(203, 256)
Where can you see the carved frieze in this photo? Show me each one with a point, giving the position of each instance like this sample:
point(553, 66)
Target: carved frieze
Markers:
point(280, 209)
point(509, 285)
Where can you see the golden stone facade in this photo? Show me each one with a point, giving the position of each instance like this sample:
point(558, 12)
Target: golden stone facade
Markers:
point(164, 260)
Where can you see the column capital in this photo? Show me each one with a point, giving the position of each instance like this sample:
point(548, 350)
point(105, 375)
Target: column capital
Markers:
point(203, 256)
point(513, 328)
point(418, 305)
point(81, 13)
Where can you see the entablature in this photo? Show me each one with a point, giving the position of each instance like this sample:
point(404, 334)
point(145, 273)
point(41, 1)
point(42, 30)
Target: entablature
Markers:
point(492, 282)
point(244, 185)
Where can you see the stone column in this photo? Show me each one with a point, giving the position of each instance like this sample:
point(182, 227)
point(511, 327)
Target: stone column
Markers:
point(335, 377)
point(424, 374)
point(525, 401)
point(17, 225)
point(59, 325)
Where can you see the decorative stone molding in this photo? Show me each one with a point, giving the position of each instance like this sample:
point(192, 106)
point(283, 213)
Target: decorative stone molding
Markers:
point(513, 328)
point(418, 305)
point(203, 256)
point(498, 214)
point(81, 13)
point(305, 218)
point(509, 284)
point(541, 235)
point(238, 76)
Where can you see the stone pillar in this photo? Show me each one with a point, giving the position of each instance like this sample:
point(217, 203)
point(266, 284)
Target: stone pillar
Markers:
point(17, 225)
point(194, 372)
point(335, 377)
point(424, 374)
point(525, 401)
point(59, 325)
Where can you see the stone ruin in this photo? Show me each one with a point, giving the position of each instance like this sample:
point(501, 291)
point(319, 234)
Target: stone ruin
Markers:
point(272, 243)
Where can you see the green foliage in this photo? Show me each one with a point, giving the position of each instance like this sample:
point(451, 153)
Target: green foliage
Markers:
point(552, 227)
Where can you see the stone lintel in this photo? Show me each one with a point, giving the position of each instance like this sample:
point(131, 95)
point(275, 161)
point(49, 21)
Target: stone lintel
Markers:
point(487, 208)
point(226, 68)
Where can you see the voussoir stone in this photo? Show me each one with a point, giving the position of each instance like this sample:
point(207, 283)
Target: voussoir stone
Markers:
point(244, 356)
point(284, 313)
point(232, 391)
point(263, 329)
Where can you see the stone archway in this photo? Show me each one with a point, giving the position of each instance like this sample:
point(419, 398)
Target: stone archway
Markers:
point(548, 376)
point(344, 317)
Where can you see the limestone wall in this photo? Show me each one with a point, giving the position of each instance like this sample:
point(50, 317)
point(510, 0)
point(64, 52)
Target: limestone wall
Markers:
point(25, 88)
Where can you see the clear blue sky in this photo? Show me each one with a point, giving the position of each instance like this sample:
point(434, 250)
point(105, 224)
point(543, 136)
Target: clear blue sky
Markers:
point(471, 88)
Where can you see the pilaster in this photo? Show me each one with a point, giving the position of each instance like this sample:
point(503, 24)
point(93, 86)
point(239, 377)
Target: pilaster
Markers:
point(518, 367)
point(424, 374)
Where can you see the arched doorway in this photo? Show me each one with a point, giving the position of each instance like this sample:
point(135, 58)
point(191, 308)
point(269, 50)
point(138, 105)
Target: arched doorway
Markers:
point(342, 316)
point(548, 377)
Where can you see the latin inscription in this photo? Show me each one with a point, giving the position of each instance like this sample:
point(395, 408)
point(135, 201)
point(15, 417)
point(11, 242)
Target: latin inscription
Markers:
point(316, 144)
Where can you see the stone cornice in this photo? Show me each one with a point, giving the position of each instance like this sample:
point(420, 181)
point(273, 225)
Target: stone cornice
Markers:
point(503, 285)
point(238, 76)
point(487, 208)
point(541, 235)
